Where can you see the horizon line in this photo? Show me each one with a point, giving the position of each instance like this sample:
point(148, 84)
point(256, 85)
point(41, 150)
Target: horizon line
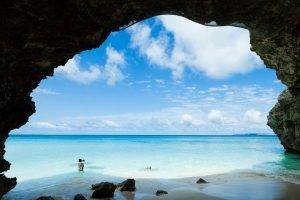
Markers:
point(239, 134)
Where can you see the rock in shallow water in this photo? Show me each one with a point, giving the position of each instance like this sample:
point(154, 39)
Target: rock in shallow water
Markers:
point(104, 190)
point(79, 197)
point(127, 185)
point(201, 180)
point(161, 192)
point(96, 186)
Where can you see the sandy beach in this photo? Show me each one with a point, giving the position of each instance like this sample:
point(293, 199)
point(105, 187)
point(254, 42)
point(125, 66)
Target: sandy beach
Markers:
point(236, 185)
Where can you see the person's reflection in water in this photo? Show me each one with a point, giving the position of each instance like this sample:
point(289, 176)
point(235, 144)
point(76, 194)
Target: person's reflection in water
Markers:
point(128, 195)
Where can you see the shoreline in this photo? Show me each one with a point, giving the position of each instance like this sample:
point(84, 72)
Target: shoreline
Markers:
point(239, 184)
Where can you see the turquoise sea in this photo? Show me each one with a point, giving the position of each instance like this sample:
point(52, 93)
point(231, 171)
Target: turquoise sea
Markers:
point(171, 156)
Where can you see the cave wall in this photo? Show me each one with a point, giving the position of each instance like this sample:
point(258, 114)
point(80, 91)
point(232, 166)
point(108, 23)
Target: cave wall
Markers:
point(284, 119)
point(37, 36)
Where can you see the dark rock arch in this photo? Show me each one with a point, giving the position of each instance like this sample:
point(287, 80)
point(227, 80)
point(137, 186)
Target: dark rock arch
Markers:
point(36, 36)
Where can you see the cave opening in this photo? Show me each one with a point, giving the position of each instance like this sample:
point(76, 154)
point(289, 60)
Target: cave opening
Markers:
point(208, 83)
point(38, 36)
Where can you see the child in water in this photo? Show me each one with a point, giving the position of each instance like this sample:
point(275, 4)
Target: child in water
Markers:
point(81, 165)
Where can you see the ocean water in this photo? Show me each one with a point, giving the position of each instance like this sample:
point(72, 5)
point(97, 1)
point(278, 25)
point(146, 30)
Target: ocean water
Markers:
point(36, 156)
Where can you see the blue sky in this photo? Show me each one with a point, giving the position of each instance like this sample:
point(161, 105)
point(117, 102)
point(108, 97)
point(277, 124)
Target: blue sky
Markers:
point(165, 75)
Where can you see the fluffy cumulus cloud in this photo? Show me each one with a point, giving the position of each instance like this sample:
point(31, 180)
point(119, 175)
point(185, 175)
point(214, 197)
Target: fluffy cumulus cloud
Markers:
point(111, 72)
point(190, 120)
point(73, 71)
point(216, 52)
point(254, 116)
point(216, 116)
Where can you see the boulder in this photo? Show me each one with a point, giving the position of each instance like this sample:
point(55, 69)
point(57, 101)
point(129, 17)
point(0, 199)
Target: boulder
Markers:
point(79, 197)
point(96, 186)
point(161, 192)
point(201, 180)
point(127, 185)
point(103, 190)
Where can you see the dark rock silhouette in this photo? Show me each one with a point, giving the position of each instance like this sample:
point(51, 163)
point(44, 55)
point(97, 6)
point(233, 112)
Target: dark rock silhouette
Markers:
point(79, 197)
point(284, 119)
point(45, 198)
point(127, 185)
point(103, 190)
point(6, 184)
point(201, 180)
point(160, 192)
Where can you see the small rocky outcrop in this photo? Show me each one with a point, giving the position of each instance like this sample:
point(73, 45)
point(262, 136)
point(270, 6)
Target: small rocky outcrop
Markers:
point(45, 198)
point(201, 180)
point(79, 197)
point(103, 190)
point(127, 185)
point(160, 192)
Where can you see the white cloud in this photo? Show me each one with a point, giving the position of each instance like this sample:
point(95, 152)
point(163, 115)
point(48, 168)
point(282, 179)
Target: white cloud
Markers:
point(78, 124)
point(45, 125)
point(111, 123)
point(186, 118)
point(110, 72)
point(216, 116)
point(159, 81)
point(45, 91)
point(190, 120)
point(143, 82)
point(51, 125)
point(216, 52)
point(218, 89)
point(254, 116)
point(72, 70)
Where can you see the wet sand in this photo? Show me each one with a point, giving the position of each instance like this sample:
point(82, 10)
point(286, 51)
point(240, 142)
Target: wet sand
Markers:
point(237, 185)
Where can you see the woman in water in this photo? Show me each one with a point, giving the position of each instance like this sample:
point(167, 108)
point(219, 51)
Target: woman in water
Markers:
point(81, 165)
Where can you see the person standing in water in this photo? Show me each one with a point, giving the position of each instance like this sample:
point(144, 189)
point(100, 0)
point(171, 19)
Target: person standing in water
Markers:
point(81, 165)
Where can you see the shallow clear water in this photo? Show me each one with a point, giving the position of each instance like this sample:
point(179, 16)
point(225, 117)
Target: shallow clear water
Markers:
point(169, 156)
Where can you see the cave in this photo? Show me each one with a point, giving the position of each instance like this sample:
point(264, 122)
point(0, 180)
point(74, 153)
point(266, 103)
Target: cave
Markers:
point(38, 36)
